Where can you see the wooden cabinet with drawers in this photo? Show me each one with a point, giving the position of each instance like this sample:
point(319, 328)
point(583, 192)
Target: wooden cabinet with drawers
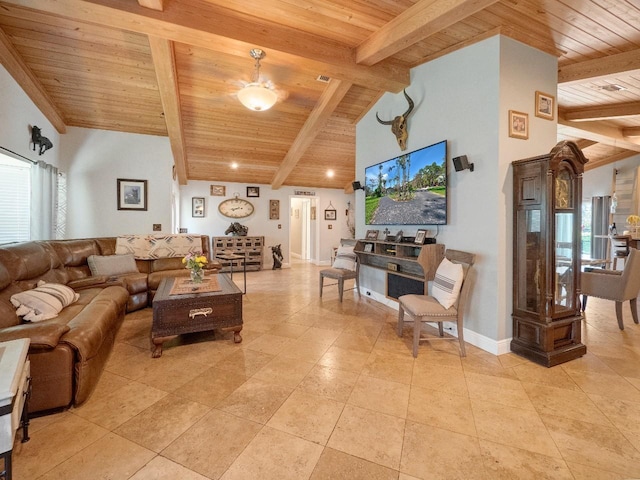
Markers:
point(251, 248)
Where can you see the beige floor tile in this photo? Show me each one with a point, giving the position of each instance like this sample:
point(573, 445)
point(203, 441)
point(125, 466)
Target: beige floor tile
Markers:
point(504, 391)
point(255, 400)
point(442, 410)
point(505, 463)
point(320, 335)
point(434, 453)
point(212, 386)
point(344, 359)
point(334, 465)
point(53, 444)
point(553, 377)
point(352, 341)
point(161, 468)
point(509, 360)
point(161, 423)
point(327, 382)
point(305, 350)
point(584, 472)
point(246, 362)
point(612, 386)
point(598, 446)
point(211, 445)
point(271, 344)
point(404, 476)
point(275, 455)
point(283, 371)
point(440, 377)
point(513, 427)
point(118, 406)
point(587, 363)
point(110, 457)
point(562, 402)
point(207, 348)
point(389, 366)
point(289, 330)
point(307, 416)
point(374, 436)
point(380, 395)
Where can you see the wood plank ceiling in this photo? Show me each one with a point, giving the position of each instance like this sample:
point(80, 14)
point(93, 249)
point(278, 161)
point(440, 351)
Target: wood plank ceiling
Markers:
point(173, 67)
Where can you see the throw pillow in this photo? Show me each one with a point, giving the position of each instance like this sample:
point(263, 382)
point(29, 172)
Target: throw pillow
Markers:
point(111, 265)
point(345, 258)
point(43, 302)
point(447, 283)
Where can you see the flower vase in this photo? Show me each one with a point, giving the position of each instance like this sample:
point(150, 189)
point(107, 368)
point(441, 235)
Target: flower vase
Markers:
point(197, 275)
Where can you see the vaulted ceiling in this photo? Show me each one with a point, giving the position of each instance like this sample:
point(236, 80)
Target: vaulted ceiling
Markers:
point(173, 68)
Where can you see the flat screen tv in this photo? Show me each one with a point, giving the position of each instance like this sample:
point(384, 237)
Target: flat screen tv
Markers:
point(410, 189)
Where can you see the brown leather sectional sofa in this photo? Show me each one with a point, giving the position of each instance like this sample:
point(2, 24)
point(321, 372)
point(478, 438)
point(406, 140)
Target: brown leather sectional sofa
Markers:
point(68, 353)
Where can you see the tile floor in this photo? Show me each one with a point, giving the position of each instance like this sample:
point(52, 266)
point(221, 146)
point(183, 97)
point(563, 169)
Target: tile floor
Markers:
point(323, 390)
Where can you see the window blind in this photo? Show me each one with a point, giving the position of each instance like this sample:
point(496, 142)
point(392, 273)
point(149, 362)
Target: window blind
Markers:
point(15, 200)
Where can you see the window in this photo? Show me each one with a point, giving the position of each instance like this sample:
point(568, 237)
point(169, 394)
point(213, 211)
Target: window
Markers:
point(15, 200)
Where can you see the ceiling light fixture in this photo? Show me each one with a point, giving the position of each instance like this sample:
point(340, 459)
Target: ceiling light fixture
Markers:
point(612, 87)
point(257, 96)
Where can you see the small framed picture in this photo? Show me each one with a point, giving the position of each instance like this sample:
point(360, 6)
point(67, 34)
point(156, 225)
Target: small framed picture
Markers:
point(313, 213)
point(274, 209)
point(372, 235)
point(398, 238)
point(518, 125)
point(420, 236)
point(197, 207)
point(330, 214)
point(368, 247)
point(545, 105)
point(253, 191)
point(217, 190)
point(132, 194)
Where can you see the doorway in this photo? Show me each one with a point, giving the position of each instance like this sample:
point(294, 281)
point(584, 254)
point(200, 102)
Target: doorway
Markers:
point(302, 243)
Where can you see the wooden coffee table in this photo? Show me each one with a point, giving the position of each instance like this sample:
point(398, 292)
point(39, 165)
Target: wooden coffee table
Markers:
point(195, 312)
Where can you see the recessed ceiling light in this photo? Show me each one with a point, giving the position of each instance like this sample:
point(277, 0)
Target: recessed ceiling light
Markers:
point(234, 165)
point(330, 173)
point(612, 87)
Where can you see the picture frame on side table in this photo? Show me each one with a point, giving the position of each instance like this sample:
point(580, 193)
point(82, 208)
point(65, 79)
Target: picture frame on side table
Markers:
point(372, 234)
point(368, 247)
point(132, 194)
point(545, 105)
point(420, 236)
point(197, 206)
point(398, 238)
point(518, 125)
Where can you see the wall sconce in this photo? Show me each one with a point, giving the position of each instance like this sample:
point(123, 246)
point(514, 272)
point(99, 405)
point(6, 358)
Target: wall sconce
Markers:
point(461, 163)
point(357, 186)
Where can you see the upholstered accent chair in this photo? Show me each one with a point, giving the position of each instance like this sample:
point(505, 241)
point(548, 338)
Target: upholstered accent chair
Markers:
point(449, 292)
point(616, 285)
point(345, 267)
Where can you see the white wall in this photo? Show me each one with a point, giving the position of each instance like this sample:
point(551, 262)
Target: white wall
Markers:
point(17, 117)
point(214, 223)
point(464, 98)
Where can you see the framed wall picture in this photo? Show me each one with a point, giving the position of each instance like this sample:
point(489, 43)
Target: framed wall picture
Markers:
point(274, 209)
point(545, 105)
point(197, 207)
point(132, 194)
point(372, 234)
point(253, 191)
point(217, 190)
point(313, 213)
point(518, 125)
point(420, 236)
point(330, 214)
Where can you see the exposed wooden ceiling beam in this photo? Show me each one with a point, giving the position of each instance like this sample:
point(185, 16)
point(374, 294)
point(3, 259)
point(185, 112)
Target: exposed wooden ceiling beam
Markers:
point(608, 160)
point(603, 112)
point(22, 74)
point(599, 68)
point(164, 62)
point(597, 132)
point(416, 23)
point(215, 28)
point(584, 143)
point(631, 132)
point(152, 4)
point(329, 100)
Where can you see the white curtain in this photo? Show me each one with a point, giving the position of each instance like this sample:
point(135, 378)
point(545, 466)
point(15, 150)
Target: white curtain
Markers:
point(44, 201)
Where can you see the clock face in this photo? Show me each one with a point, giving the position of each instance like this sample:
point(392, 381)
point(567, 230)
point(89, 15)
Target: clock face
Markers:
point(236, 208)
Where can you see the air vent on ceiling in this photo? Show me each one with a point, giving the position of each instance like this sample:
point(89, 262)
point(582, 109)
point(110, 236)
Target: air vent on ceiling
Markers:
point(323, 78)
point(612, 88)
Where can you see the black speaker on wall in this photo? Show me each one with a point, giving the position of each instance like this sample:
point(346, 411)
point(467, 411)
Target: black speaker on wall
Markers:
point(357, 186)
point(462, 163)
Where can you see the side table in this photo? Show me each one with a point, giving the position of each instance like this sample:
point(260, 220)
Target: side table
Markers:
point(15, 384)
point(230, 257)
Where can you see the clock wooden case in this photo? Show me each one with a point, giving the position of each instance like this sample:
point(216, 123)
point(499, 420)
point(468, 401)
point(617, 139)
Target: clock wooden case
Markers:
point(546, 255)
point(236, 208)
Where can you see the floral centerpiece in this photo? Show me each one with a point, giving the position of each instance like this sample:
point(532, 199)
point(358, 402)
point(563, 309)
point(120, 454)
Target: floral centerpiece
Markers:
point(633, 221)
point(195, 263)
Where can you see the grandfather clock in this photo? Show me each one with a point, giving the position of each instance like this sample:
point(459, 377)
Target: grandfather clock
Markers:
point(547, 193)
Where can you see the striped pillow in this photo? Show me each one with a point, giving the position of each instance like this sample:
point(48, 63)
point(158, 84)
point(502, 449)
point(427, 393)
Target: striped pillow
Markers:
point(447, 283)
point(43, 302)
point(345, 258)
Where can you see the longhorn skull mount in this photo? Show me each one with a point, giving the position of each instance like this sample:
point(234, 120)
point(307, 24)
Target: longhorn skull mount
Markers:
point(399, 124)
